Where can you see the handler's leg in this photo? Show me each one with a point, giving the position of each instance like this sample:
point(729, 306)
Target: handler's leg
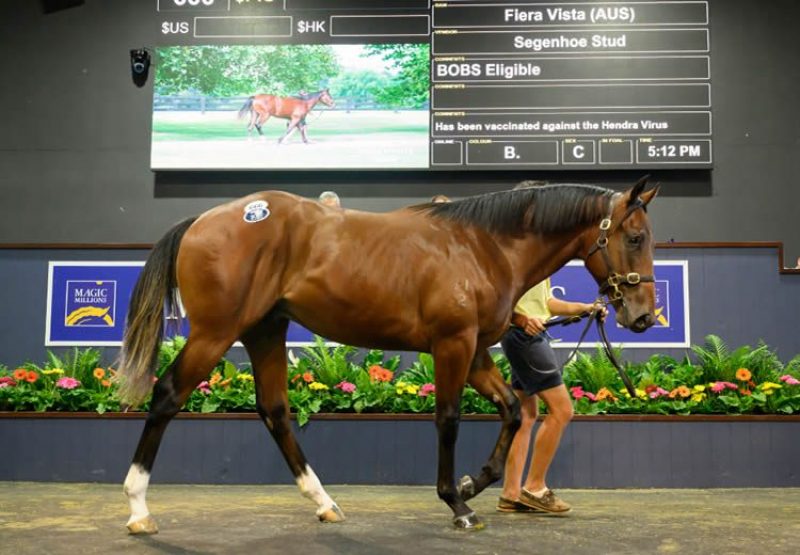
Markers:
point(518, 455)
point(559, 413)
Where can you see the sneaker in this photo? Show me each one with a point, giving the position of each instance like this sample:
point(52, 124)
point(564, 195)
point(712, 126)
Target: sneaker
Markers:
point(505, 505)
point(548, 502)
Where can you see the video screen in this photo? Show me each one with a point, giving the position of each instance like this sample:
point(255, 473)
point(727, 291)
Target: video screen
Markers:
point(293, 106)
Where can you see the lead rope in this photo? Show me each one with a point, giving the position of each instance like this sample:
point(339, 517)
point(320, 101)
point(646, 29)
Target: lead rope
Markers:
point(595, 315)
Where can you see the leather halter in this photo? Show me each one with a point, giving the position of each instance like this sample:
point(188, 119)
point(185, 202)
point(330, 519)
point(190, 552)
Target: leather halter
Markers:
point(611, 286)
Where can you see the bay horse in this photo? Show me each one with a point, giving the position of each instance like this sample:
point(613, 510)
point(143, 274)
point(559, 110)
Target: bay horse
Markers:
point(261, 107)
point(437, 278)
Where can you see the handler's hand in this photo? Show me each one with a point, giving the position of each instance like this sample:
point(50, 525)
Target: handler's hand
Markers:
point(534, 326)
point(599, 307)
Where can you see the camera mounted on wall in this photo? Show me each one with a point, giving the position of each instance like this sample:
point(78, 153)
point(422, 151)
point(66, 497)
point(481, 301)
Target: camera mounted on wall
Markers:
point(140, 65)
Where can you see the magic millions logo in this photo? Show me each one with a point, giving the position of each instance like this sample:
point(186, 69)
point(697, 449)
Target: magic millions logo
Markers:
point(662, 304)
point(90, 303)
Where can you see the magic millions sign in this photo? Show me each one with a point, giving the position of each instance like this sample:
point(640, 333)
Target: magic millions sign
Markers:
point(87, 304)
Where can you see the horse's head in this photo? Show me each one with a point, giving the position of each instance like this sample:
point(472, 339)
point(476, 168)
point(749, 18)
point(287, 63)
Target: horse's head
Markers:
point(326, 98)
point(619, 254)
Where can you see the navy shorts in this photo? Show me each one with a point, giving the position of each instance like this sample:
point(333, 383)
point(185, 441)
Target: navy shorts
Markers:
point(534, 367)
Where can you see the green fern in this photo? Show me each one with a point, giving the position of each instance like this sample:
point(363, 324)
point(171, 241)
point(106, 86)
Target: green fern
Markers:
point(330, 365)
point(592, 372)
point(421, 371)
point(713, 358)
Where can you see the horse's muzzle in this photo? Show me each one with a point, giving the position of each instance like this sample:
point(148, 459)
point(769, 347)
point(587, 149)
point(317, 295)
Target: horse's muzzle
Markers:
point(642, 323)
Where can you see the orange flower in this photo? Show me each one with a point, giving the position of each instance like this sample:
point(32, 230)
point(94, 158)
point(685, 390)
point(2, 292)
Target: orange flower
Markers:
point(225, 383)
point(743, 375)
point(99, 373)
point(379, 374)
point(20, 374)
point(683, 391)
point(605, 394)
point(31, 376)
point(308, 377)
point(106, 383)
point(744, 392)
point(216, 377)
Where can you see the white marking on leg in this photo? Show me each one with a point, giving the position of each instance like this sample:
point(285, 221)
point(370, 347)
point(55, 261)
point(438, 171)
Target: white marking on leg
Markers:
point(311, 487)
point(136, 488)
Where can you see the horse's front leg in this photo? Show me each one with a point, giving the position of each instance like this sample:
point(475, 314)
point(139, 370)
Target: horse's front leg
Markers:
point(452, 358)
point(290, 128)
point(486, 379)
point(304, 131)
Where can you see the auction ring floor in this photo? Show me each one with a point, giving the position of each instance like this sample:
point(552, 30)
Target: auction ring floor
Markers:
point(90, 518)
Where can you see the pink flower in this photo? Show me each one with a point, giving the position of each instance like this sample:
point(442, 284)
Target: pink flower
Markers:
point(7, 381)
point(577, 392)
point(68, 383)
point(788, 379)
point(591, 396)
point(346, 387)
point(658, 392)
point(427, 389)
point(719, 387)
point(204, 387)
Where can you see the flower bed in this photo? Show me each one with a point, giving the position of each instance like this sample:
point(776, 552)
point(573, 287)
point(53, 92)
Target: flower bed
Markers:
point(324, 379)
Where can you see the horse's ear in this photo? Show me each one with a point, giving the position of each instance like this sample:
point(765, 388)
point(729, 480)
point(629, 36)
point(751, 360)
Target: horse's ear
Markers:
point(649, 195)
point(637, 189)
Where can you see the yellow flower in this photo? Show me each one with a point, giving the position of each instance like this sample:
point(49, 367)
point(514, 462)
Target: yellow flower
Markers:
point(52, 371)
point(412, 389)
point(316, 386)
point(245, 377)
point(641, 393)
point(697, 397)
point(769, 387)
point(699, 388)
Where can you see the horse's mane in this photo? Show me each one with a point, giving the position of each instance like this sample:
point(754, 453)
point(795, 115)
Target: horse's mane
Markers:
point(545, 209)
point(310, 96)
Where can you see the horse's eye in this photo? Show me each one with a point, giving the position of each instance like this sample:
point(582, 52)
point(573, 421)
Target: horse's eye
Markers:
point(635, 241)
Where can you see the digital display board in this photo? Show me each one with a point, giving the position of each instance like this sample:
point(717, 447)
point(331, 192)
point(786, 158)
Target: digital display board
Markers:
point(410, 84)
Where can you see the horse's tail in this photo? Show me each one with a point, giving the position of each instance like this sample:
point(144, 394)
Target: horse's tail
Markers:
point(247, 107)
point(156, 284)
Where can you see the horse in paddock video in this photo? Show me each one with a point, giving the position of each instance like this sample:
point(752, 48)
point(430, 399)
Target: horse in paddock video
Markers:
point(437, 278)
point(261, 107)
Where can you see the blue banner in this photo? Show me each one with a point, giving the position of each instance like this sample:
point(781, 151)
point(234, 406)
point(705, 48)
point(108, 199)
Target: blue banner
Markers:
point(574, 283)
point(88, 304)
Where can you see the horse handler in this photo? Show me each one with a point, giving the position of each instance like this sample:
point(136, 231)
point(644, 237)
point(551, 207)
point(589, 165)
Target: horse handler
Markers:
point(535, 374)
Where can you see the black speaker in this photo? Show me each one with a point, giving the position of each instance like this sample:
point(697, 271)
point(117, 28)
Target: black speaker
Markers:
point(50, 6)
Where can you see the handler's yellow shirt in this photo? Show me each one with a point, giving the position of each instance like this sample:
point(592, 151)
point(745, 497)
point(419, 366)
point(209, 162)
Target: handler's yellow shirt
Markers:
point(533, 303)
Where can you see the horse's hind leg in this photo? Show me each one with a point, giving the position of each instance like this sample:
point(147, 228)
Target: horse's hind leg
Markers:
point(486, 379)
point(194, 363)
point(266, 345)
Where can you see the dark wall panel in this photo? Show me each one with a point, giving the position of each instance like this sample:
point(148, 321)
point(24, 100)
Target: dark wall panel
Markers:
point(75, 148)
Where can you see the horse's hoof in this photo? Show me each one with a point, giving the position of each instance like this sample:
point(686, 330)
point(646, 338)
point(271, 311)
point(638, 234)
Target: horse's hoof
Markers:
point(334, 514)
point(466, 487)
point(468, 521)
point(143, 526)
